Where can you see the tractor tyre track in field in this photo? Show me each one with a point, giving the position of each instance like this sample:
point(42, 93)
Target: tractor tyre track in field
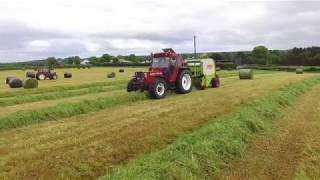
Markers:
point(82, 146)
point(277, 155)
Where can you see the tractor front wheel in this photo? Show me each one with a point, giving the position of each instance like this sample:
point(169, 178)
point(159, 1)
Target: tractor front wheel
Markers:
point(55, 77)
point(158, 89)
point(130, 86)
point(184, 82)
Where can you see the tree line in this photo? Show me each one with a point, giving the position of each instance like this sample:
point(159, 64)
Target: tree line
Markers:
point(261, 55)
point(94, 60)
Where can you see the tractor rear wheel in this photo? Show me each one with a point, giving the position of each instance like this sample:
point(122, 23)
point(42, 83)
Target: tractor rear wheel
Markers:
point(41, 76)
point(184, 82)
point(215, 82)
point(158, 89)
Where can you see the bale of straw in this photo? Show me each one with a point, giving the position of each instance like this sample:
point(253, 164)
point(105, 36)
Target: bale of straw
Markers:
point(31, 74)
point(15, 83)
point(8, 79)
point(111, 75)
point(121, 70)
point(30, 83)
point(67, 75)
point(299, 71)
point(246, 74)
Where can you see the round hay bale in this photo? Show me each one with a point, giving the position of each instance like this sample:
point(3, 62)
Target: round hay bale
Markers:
point(111, 75)
point(121, 70)
point(30, 83)
point(8, 79)
point(15, 83)
point(246, 74)
point(299, 71)
point(31, 74)
point(67, 75)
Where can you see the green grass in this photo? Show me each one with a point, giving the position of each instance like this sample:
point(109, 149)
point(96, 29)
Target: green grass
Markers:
point(232, 73)
point(25, 92)
point(66, 110)
point(203, 153)
point(96, 88)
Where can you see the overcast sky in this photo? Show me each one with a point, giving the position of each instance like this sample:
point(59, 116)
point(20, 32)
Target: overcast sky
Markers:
point(36, 29)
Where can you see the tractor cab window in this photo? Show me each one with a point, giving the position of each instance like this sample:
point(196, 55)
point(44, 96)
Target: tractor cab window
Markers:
point(173, 62)
point(160, 63)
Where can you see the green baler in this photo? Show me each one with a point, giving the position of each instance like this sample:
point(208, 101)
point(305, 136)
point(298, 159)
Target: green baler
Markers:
point(204, 72)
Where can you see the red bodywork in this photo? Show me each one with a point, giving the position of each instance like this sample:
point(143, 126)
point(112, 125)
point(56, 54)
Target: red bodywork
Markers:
point(170, 72)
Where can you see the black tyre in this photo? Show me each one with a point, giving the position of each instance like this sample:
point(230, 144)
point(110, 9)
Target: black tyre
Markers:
point(184, 82)
point(158, 89)
point(55, 77)
point(216, 82)
point(130, 85)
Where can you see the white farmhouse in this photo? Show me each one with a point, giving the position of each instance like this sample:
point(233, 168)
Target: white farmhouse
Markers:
point(85, 62)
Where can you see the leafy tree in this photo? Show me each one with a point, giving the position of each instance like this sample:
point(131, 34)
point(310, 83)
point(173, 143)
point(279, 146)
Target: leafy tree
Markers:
point(216, 56)
point(115, 60)
point(77, 60)
point(51, 62)
point(105, 58)
point(260, 55)
point(69, 60)
point(132, 58)
point(241, 58)
point(93, 60)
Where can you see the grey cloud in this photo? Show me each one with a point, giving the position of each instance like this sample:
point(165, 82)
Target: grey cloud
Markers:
point(285, 24)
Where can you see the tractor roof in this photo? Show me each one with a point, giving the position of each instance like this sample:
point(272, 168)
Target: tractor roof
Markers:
point(169, 52)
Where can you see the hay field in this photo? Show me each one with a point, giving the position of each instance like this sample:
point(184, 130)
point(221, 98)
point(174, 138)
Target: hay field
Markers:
point(88, 126)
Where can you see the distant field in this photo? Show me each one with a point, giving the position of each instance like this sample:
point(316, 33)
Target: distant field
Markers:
point(80, 76)
point(89, 126)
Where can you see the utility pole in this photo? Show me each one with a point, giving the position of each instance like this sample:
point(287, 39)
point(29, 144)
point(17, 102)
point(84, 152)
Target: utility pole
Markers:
point(195, 46)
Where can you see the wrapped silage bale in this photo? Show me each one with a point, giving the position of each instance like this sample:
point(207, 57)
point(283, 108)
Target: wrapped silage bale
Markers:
point(246, 74)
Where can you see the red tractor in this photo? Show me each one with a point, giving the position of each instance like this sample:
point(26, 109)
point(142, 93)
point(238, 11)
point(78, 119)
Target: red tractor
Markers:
point(168, 71)
point(45, 73)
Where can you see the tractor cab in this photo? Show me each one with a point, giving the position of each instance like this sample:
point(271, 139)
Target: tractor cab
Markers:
point(166, 64)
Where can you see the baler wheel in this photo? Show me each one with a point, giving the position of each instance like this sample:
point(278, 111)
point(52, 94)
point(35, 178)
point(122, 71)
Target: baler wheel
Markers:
point(158, 89)
point(216, 82)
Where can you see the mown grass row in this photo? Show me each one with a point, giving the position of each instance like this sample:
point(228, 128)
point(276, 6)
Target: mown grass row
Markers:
point(57, 95)
point(203, 153)
point(25, 92)
point(224, 74)
point(66, 110)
